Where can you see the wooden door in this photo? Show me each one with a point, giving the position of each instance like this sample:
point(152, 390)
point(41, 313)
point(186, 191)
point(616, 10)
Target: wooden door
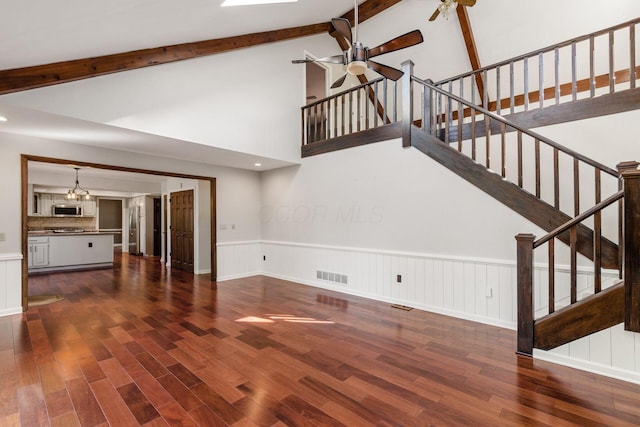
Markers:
point(157, 226)
point(182, 221)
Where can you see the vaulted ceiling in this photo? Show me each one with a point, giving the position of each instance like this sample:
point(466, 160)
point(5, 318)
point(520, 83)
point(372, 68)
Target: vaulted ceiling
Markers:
point(113, 35)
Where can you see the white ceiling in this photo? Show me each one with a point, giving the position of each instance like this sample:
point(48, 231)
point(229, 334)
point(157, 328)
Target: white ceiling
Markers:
point(61, 128)
point(43, 31)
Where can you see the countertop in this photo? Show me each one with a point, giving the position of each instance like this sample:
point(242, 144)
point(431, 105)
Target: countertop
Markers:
point(67, 233)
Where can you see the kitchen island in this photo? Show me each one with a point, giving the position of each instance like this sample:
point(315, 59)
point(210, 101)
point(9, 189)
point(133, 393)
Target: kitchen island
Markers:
point(61, 250)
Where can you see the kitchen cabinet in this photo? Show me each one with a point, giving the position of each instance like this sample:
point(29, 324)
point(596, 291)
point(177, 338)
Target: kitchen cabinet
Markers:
point(88, 208)
point(69, 251)
point(38, 256)
point(42, 204)
point(61, 199)
point(83, 250)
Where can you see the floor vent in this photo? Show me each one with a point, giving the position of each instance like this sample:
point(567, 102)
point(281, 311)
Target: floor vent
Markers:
point(401, 307)
point(331, 277)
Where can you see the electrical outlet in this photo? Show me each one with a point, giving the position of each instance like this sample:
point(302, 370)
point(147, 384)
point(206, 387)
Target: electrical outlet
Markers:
point(233, 226)
point(399, 278)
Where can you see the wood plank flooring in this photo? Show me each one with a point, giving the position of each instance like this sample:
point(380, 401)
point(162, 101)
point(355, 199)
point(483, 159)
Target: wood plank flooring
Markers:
point(138, 345)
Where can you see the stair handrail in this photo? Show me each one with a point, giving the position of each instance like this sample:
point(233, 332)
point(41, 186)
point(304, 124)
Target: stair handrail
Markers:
point(526, 244)
point(542, 50)
point(344, 92)
point(580, 218)
point(516, 126)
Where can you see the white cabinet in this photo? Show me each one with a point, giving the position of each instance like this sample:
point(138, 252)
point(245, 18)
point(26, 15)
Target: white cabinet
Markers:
point(42, 204)
point(61, 199)
point(88, 208)
point(38, 252)
point(81, 250)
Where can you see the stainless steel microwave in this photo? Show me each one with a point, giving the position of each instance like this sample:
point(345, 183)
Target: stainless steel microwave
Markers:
point(66, 210)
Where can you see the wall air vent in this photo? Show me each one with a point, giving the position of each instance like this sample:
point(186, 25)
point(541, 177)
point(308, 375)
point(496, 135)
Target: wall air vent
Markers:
point(332, 277)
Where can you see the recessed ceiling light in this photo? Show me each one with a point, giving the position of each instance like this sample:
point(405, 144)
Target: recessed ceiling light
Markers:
point(257, 165)
point(250, 2)
point(3, 119)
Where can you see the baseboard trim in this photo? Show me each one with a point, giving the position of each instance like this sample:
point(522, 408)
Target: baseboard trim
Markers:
point(240, 276)
point(583, 365)
point(10, 311)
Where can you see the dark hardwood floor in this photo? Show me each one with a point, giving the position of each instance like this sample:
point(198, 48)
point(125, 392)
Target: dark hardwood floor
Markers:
point(137, 345)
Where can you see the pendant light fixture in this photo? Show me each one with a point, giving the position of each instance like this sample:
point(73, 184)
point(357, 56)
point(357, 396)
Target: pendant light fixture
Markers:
point(78, 192)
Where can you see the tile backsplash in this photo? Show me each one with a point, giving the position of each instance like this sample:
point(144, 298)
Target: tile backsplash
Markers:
point(47, 223)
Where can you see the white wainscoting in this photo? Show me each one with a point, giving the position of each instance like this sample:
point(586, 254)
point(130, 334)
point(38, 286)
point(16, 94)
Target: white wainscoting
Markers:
point(475, 289)
point(10, 284)
point(239, 259)
point(482, 290)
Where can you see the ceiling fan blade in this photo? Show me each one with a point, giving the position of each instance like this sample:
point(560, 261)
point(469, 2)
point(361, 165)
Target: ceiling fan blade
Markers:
point(466, 2)
point(339, 82)
point(389, 72)
point(435, 14)
point(406, 40)
point(336, 59)
point(343, 26)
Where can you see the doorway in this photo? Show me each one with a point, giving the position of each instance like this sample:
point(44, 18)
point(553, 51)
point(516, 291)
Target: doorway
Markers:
point(182, 226)
point(24, 168)
point(110, 218)
point(316, 89)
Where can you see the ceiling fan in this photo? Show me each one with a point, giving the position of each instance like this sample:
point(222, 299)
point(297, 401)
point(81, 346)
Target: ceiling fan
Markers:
point(357, 57)
point(448, 6)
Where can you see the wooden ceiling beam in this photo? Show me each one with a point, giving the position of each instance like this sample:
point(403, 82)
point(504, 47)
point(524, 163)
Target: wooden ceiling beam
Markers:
point(369, 9)
point(472, 51)
point(26, 78)
point(19, 79)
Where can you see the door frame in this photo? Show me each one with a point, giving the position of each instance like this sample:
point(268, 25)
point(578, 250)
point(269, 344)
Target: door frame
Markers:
point(24, 176)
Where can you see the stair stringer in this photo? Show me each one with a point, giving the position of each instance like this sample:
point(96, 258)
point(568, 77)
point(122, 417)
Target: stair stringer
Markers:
point(520, 201)
point(593, 314)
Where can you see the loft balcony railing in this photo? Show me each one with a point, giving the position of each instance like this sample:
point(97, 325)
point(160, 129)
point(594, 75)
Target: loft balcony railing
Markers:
point(584, 67)
point(360, 108)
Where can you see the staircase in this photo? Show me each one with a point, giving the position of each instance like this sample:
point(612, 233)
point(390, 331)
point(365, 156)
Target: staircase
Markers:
point(463, 130)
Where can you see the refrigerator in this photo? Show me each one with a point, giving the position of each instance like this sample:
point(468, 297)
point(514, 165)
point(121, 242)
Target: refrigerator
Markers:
point(134, 230)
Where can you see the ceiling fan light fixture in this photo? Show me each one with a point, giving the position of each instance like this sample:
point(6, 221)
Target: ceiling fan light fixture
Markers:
point(226, 3)
point(355, 68)
point(448, 7)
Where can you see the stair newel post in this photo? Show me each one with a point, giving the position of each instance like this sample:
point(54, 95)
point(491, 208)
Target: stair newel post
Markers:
point(525, 293)
point(630, 176)
point(407, 102)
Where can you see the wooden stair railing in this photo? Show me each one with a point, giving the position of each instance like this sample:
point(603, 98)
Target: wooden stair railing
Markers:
point(550, 202)
point(603, 62)
point(604, 307)
point(553, 329)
